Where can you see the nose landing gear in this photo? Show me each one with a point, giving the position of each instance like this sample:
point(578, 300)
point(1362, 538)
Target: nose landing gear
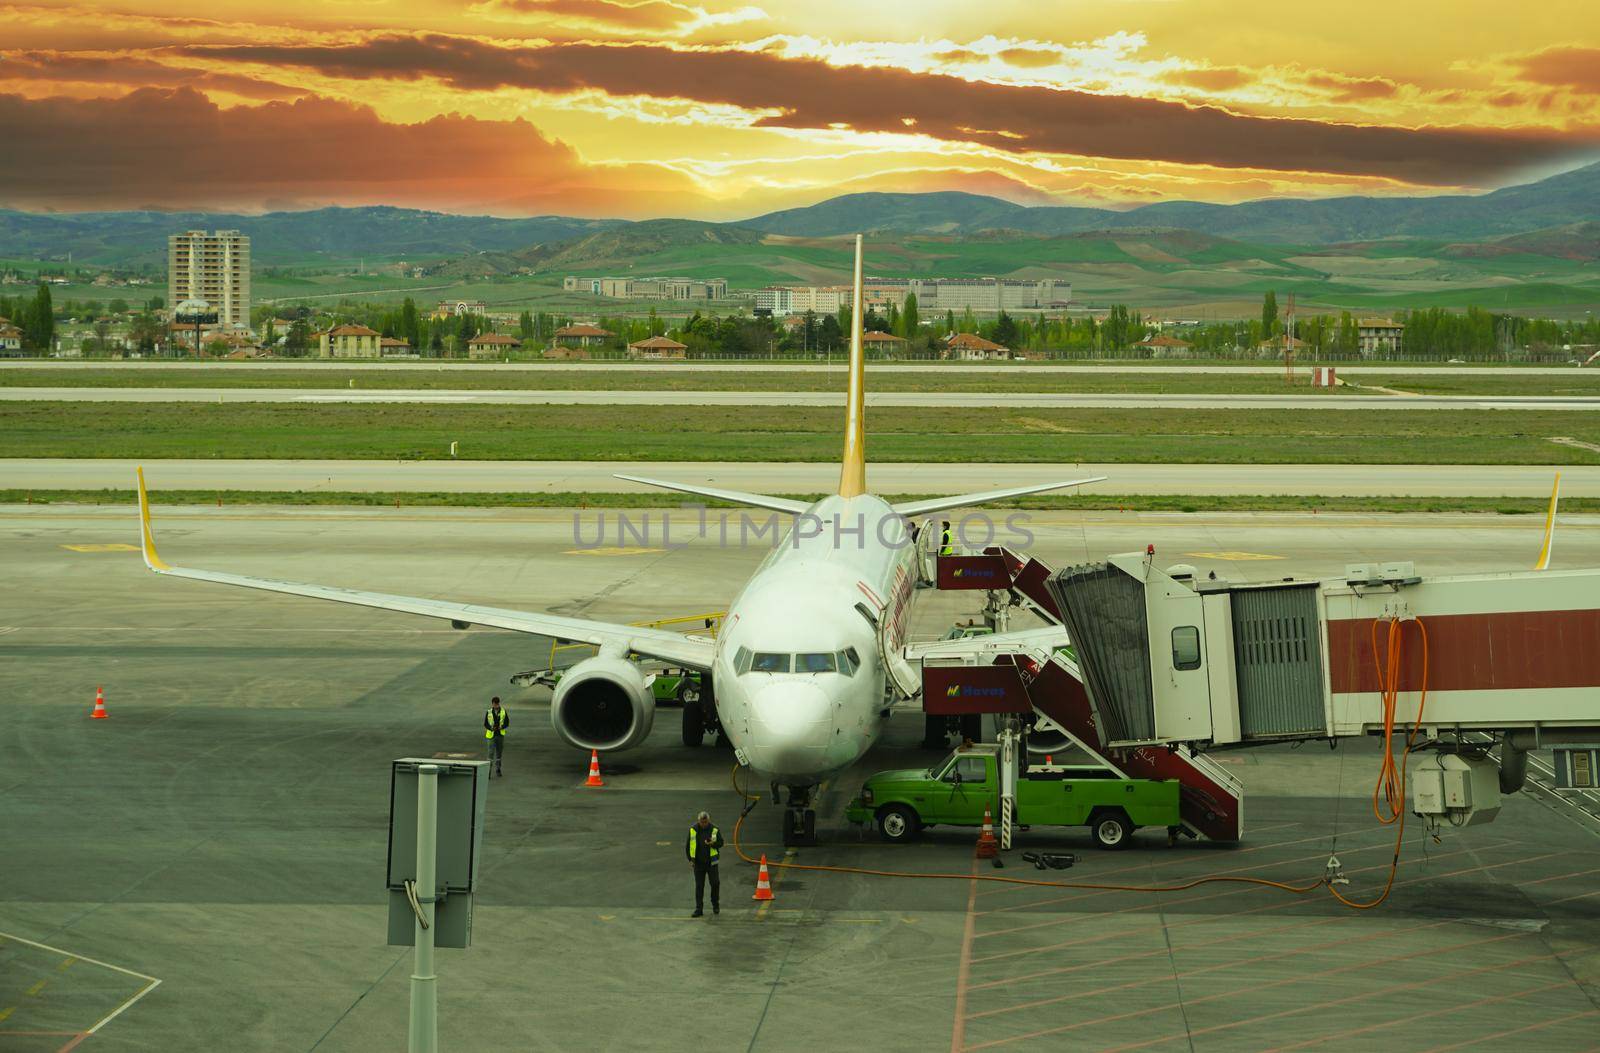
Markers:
point(799, 818)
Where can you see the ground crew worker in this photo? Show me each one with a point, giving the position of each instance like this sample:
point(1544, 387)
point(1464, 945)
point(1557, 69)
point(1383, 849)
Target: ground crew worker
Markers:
point(495, 721)
point(705, 844)
point(946, 543)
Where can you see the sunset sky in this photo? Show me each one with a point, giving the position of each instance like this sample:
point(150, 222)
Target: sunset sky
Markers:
point(724, 110)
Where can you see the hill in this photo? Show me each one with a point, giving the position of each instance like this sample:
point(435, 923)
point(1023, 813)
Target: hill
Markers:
point(139, 239)
point(1571, 197)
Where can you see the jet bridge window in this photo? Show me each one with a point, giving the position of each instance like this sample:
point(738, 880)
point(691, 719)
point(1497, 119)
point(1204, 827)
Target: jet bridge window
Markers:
point(769, 662)
point(819, 662)
point(1186, 647)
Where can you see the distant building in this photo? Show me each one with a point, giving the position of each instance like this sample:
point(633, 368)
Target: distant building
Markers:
point(581, 334)
point(958, 294)
point(882, 343)
point(349, 341)
point(389, 347)
point(784, 300)
point(649, 288)
point(974, 348)
point(1164, 346)
point(453, 308)
point(1277, 344)
point(566, 352)
point(1376, 336)
point(214, 268)
point(10, 338)
point(658, 347)
point(491, 345)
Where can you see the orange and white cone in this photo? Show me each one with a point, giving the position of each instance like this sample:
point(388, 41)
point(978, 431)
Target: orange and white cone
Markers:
point(763, 881)
point(99, 705)
point(988, 847)
point(594, 770)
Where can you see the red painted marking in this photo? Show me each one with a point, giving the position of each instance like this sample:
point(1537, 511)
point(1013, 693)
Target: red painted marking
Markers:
point(1507, 651)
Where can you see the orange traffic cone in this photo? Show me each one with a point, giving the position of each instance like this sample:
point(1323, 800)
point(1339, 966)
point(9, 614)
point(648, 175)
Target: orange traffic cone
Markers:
point(594, 770)
point(763, 881)
point(99, 705)
point(988, 847)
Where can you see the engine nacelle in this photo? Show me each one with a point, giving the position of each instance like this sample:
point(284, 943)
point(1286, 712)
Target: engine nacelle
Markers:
point(603, 704)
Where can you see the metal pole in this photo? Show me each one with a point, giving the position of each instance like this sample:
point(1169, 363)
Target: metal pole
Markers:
point(424, 1035)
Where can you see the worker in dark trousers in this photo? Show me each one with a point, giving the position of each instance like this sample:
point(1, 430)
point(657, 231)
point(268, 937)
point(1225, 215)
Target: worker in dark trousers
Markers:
point(495, 722)
point(705, 844)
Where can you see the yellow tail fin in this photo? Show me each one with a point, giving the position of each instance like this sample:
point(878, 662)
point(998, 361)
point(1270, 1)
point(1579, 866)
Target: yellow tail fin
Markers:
point(853, 472)
point(1549, 527)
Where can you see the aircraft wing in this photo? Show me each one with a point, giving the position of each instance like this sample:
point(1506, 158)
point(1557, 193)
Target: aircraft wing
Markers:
point(940, 504)
point(776, 504)
point(664, 644)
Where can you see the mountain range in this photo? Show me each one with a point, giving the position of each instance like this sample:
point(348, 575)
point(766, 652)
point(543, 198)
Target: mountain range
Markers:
point(1569, 201)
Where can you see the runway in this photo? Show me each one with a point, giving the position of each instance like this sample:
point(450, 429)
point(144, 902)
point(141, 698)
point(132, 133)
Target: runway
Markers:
point(755, 365)
point(1325, 480)
point(880, 399)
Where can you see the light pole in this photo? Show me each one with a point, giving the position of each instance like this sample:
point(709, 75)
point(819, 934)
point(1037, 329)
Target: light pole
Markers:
point(424, 1032)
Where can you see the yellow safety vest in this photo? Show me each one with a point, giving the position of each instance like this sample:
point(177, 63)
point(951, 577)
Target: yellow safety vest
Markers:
point(945, 547)
point(694, 843)
point(497, 723)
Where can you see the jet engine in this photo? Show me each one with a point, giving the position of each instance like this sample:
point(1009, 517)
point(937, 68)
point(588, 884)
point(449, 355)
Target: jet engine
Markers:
point(603, 704)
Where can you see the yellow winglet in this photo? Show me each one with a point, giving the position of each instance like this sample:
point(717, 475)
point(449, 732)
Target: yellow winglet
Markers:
point(147, 543)
point(1549, 526)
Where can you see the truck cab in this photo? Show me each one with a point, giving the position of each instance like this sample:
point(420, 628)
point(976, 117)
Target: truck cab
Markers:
point(959, 789)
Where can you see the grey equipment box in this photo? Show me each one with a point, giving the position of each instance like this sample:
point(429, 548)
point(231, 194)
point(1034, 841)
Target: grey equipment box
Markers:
point(463, 791)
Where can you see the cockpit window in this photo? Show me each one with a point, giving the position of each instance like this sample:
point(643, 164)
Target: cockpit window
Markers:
point(769, 662)
point(820, 662)
point(847, 662)
point(741, 661)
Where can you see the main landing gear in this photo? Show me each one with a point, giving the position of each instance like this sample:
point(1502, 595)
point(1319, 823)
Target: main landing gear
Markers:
point(799, 818)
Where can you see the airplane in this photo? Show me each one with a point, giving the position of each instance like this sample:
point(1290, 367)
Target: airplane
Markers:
point(811, 653)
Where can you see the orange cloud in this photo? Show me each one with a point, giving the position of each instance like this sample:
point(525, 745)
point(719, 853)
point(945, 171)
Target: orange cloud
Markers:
point(1352, 89)
point(1017, 118)
point(1214, 78)
point(177, 149)
point(123, 71)
point(1565, 67)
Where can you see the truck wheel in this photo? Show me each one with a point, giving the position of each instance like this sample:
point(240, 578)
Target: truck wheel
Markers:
point(896, 822)
point(694, 724)
point(688, 692)
point(1111, 829)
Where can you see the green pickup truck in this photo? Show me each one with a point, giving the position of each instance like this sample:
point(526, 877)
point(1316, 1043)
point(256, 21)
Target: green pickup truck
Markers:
point(956, 791)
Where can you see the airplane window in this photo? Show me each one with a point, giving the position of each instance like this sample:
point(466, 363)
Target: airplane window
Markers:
point(846, 666)
point(820, 662)
point(768, 662)
point(855, 659)
point(741, 660)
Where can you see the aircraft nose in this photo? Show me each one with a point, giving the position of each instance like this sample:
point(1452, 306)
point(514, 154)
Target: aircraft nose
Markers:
point(791, 725)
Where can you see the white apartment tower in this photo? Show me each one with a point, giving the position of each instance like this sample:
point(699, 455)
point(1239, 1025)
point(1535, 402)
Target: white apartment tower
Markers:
point(214, 268)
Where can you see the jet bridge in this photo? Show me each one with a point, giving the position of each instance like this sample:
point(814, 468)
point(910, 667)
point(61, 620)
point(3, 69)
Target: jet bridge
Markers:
point(1465, 662)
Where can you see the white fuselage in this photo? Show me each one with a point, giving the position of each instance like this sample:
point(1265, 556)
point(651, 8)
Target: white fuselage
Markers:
point(800, 668)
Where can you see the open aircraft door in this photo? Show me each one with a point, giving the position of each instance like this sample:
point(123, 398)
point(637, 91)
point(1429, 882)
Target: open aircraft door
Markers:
point(903, 677)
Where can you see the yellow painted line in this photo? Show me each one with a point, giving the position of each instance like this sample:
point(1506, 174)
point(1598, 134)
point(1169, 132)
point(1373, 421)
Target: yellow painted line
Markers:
point(65, 965)
point(100, 548)
point(36, 988)
point(775, 879)
point(1235, 556)
point(612, 551)
point(7, 1011)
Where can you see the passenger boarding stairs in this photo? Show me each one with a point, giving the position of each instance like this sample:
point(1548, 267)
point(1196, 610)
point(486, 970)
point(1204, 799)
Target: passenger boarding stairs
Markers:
point(1211, 800)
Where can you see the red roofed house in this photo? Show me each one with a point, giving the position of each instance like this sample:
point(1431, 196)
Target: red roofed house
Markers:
point(658, 347)
point(974, 348)
point(581, 334)
point(388, 346)
point(1164, 346)
point(348, 341)
point(491, 345)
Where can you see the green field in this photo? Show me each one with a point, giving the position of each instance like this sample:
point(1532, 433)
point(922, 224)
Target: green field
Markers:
point(649, 433)
point(1087, 503)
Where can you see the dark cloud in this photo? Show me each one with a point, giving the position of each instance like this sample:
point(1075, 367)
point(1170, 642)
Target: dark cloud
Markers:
point(1563, 67)
point(178, 149)
point(1030, 58)
point(132, 72)
point(810, 94)
point(1216, 78)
